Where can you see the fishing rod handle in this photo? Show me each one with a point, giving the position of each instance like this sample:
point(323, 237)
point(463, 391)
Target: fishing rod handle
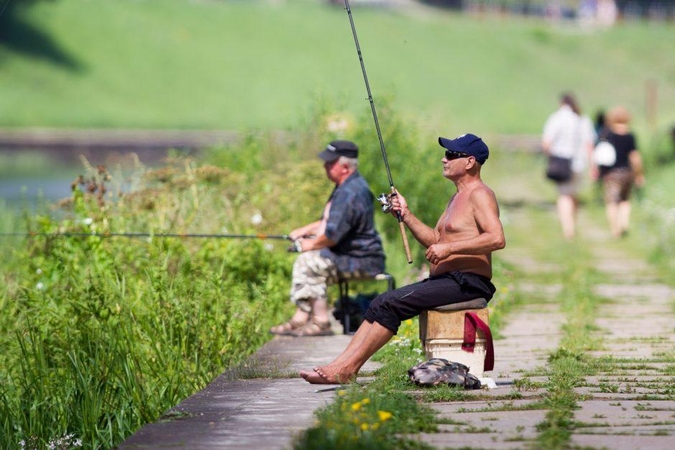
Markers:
point(404, 236)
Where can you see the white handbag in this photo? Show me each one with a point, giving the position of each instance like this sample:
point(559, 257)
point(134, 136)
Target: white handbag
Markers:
point(604, 154)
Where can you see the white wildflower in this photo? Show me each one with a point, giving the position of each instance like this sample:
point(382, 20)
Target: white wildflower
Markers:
point(88, 221)
point(256, 219)
point(39, 286)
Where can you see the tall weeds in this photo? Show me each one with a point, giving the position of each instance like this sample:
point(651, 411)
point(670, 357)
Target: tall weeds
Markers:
point(100, 335)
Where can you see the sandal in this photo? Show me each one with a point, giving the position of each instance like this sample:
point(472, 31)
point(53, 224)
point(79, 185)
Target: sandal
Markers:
point(313, 328)
point(287, 327)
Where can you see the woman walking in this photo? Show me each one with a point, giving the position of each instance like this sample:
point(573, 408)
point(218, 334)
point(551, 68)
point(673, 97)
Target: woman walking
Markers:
point(619, 178)
point(569, 135)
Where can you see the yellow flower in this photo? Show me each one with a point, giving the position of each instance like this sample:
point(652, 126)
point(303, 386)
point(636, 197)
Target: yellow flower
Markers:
point(409, 322)
point(341, 393)
point(356, 406)
point(364, 427)
point(384, 415)
point(365, 401)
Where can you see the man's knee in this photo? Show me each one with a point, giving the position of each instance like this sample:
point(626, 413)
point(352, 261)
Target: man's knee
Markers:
point(381, 311)
point(311, 265)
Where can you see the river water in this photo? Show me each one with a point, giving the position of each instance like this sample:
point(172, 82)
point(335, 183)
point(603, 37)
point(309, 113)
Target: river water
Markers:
point(29, 191)
point(31, 178)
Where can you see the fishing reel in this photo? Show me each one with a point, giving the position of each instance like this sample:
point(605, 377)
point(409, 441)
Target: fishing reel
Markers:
point(296, 247)
point(384, 201)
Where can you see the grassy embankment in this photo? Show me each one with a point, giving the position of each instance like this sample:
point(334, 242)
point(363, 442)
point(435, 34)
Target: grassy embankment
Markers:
point(255, 65)
point(46, 295)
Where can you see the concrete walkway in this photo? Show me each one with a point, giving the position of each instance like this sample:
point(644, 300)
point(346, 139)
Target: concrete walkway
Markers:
point(633, 408)
point(240, 410)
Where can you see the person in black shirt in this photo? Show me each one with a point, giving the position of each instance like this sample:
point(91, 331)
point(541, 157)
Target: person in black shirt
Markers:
point(619, 178)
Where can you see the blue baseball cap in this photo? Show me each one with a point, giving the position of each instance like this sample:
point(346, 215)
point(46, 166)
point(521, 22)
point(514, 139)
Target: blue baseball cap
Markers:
point(467, 143)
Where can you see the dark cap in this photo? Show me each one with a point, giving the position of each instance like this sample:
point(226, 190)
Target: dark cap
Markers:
point(339, 148)
point(467, 143)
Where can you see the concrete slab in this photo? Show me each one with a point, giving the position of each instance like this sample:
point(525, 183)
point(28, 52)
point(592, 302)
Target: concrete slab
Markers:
point(447, 409)
point(234, 412)
point(625, 413)
point(508, 425)
point(454, 440)
point(622, 442)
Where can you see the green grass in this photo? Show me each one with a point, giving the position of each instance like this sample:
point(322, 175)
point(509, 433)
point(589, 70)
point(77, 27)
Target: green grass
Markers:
point(102, 335)
point(257, 64)
point(109, 291)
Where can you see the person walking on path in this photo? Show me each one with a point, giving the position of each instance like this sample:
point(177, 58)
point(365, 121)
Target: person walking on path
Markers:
point(459, 249)
point(344, 243)
point(569, 134)
point(619, 178)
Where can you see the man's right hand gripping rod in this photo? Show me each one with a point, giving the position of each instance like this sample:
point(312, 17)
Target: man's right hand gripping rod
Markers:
point(386, 207)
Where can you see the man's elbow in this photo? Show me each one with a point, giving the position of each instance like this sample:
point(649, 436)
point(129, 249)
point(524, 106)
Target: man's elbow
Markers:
point(499, 243)
point(329, 243)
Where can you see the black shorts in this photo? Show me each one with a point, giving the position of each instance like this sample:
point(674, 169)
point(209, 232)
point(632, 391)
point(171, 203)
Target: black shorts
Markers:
point(391, 308)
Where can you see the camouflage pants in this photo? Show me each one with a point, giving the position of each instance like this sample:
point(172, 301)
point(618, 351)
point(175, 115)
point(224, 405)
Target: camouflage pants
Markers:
point(312, 274)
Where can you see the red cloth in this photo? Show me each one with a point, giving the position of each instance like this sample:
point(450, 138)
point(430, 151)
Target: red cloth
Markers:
point(471, 322)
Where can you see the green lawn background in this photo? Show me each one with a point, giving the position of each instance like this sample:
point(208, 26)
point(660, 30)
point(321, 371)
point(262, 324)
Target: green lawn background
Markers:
point(258, 64)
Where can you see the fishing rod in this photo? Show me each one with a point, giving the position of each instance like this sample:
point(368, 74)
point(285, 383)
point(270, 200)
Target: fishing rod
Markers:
point(382, 198)
point(286, 237)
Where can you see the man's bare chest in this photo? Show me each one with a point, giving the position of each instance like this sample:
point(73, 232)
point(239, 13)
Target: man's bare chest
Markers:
point(457, 217)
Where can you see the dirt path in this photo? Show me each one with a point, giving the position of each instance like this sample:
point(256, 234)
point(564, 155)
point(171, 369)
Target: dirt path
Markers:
point(630, 406)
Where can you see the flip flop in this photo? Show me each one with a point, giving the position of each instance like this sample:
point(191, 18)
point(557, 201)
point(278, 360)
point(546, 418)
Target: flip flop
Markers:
point(313, 329)
point(287, 327)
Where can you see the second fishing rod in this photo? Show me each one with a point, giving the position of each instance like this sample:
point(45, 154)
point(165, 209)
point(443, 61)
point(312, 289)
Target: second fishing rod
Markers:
point(295, 247)
point(383, 199)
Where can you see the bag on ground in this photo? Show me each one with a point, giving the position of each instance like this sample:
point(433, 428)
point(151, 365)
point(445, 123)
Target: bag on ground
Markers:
point(355, 308)
point(559, 169)
point(441, 371)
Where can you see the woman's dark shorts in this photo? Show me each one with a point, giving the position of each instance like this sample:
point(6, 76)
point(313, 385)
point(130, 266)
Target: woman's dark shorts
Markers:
point(617, 185)
point(391, 308)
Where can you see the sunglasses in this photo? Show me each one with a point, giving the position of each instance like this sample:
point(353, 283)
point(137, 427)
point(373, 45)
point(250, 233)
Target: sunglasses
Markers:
point(450, 155)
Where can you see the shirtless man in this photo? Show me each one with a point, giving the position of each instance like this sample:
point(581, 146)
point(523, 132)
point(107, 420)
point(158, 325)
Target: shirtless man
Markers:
point(459, 249)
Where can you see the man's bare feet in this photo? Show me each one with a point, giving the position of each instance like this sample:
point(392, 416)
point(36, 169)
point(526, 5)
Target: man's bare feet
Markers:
point(319, 375)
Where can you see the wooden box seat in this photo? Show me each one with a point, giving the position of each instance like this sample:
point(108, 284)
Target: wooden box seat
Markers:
point(446, 332)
